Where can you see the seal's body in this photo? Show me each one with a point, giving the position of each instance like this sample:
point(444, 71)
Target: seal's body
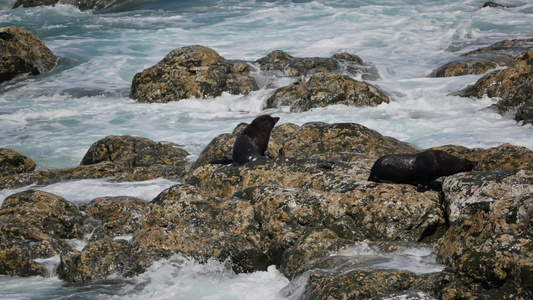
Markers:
point(252, 142)
point(419, 169)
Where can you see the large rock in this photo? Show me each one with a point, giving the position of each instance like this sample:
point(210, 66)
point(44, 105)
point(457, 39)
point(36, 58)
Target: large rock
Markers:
point(192, 71)
point(183, 219)
point(21, 52)
point(479, 61)
point(33, 225)
point(299, 226)
point(340, 141)
point(81, 4)
point(513, 85)
point(12, 162)
point(324, 89)
point(119, 157)
point(136, 152)
point(488, 251)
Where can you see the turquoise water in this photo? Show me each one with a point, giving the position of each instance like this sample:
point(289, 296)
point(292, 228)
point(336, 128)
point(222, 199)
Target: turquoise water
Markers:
point(53, 118)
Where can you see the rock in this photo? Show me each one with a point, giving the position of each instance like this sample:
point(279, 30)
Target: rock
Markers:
point(492, 4)
point(142, 157)
point(464, 189)
point(488, 250)
point(281, 62)
point(15, 261)
point(35, 224)
point(21, 53)
point(467, 65)
point(192, 71)
point(276, 60)
point(326, 88)
point(81, 4)
point(348, 57)
point(357, 284)
point(282, 172)
point(513, 85)
point(12, 162)
point(340, 141)
point(480, 61)
point(118, 216)
point(45, 177)
point(299, 226)
point(97, 261)
point(183, 219)
point(120, 157)
point(136, 152)
point(503, 157)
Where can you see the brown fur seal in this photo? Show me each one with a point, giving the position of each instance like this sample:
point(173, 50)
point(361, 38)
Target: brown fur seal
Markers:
point(421, 169)
point(252, 142)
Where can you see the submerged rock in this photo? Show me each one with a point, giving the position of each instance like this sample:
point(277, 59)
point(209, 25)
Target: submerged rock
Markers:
point(12, 162)
point(192, 71)
point(513, 85)
point(81, 4)
point(22, 53)
point(492, 4)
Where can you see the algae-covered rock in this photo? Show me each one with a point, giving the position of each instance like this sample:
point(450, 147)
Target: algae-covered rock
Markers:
point(513, 85)
point(12, 162)
point(21, 52)
point(324, 89)
point(35, 224)
point(191, 71)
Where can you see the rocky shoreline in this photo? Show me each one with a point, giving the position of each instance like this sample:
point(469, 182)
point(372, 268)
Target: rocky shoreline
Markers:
point(293, 211)
point(311, 200)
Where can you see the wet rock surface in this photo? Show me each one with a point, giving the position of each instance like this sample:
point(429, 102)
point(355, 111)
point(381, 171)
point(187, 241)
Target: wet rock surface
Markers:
point(513, 85)
point(299, 210)
point(12, 162)
point(480, 61)
point(23, 53)
point(326, 88)
point(34, 225)
point(118, 157)
point(192, 71)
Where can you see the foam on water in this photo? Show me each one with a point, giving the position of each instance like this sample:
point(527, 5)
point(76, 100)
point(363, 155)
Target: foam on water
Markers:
point(83, 191)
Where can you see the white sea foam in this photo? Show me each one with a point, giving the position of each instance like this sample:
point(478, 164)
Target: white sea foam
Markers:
point(181, 278)
point(83, 191)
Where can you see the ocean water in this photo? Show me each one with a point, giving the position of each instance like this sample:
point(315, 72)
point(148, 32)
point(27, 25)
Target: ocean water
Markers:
point(54, 118)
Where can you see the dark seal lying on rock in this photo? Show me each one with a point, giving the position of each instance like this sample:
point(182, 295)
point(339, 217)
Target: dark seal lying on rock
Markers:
point(421, 169)
point(252, 142)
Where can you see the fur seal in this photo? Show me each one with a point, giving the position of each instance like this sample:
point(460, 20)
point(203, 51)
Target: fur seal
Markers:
point(421, 169)
point(252, 142)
